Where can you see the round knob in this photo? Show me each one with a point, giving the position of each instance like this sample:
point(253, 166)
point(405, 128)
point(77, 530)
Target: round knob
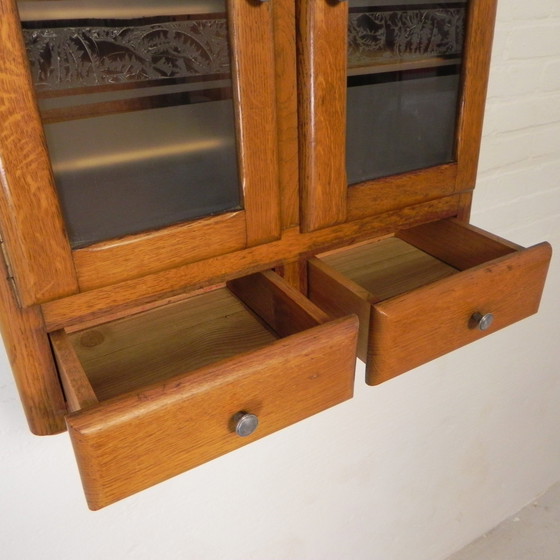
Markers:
point(245, 423)
point(481, 321)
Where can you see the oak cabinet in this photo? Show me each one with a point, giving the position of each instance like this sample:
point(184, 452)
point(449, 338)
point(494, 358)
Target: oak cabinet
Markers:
point(198, 199)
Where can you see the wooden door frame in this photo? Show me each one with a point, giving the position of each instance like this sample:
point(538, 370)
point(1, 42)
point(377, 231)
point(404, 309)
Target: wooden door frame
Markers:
point(35, 242)
point(42, 262)
point(326, 198)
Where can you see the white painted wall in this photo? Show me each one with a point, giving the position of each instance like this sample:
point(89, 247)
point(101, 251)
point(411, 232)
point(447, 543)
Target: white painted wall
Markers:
point(410, 470)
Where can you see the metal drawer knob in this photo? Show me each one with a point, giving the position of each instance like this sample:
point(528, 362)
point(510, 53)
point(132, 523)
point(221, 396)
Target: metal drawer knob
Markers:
point(245, 423)
point(482, 322)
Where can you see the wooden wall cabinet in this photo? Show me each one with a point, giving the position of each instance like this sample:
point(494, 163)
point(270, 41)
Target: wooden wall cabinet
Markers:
point(193, 230)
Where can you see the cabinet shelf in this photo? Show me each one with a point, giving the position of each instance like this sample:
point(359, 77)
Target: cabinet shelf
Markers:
point(134, 103)
point(395, 65)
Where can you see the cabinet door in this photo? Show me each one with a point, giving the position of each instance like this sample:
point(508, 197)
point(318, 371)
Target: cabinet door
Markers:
point(392, 103)
point(152, 131)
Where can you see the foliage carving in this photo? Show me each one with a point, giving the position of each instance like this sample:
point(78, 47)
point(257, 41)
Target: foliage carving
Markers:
point(70, 56)
point(404, 33)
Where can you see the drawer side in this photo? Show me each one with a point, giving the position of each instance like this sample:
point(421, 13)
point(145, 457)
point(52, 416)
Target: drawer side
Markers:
point(339, 296)
point(460, 245)
point(77, 389)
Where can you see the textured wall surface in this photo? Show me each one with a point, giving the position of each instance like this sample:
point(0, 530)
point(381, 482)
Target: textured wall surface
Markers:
point(410, 470)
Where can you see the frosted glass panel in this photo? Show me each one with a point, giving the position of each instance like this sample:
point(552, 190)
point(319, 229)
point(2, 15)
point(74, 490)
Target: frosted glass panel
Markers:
point(137, 111)
point(404, 62)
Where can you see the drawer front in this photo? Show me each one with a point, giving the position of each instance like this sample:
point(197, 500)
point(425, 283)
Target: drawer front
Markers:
point(132, 442)
point(411, 329)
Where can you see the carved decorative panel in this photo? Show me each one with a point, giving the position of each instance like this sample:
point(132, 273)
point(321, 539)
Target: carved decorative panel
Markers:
point(70, 54)
point(404, 33)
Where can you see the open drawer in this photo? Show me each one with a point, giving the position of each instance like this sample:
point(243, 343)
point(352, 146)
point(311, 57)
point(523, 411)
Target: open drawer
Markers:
point(160, 392)
point(428, 290)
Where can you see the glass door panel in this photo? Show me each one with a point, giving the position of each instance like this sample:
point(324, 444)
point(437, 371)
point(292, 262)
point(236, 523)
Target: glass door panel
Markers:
point(403, 85)
point(136, 102)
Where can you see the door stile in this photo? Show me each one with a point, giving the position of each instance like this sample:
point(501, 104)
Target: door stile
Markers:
point(33, 230)
point(322, 110)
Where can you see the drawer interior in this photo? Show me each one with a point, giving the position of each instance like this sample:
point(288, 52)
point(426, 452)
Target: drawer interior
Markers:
point(416, 257)
point(388, 267)
point(157, 393)
point(107, 360)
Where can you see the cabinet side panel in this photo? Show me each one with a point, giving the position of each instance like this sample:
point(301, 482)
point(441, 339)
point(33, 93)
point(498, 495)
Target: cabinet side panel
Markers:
point(32, 224)
point(32, 363)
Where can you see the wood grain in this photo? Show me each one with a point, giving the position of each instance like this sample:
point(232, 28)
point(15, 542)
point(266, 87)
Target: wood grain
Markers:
point(143, 438)
point(397, 191)
point(459, 245)
point(292, 246)
point(338, 296)
point(77, 388)
point(387, 268)
point(286, 108)
point(32, 225)
point(476, 66)
point(417, 327)
point(154, 373)
point(286, 310)
point(322, 112)
point(465, 205)
point(128, 353)
point(35, 237)
point(132, 352)
point(413, 306)
point(295, 274)
point(353, 279)
point(250, 24)
point(28, 350)
point(137, 255)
